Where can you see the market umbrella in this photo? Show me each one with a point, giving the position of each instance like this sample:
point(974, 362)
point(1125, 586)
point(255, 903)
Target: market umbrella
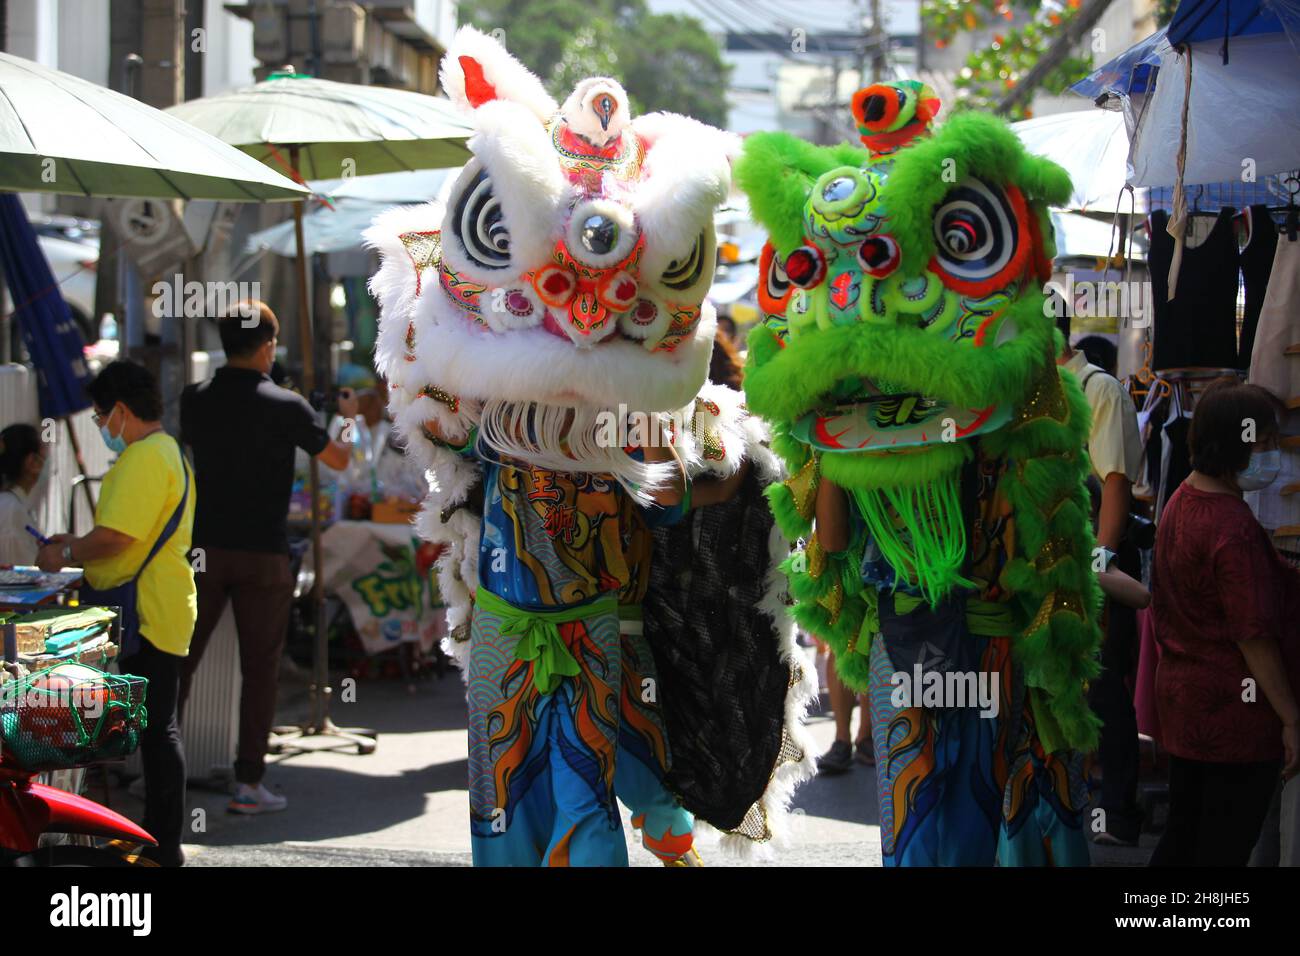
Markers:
point(339, 129)
point(347, 209)
point(51, 336)
point(62, 134)
point(316, 128)
point(337, 227)
point(1091, 145)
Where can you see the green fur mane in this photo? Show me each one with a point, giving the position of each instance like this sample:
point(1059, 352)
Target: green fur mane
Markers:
point(1055, 600)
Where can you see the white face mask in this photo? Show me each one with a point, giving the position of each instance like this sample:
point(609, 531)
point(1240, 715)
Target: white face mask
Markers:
point(1262, 470)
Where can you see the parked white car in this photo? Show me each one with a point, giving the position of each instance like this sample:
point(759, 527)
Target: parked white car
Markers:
point(73, 266)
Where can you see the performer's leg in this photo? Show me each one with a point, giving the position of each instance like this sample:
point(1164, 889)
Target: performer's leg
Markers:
point(587, 830)
point(1045, 797)
point(935, 775)
point(644, 758)
point(511, 810)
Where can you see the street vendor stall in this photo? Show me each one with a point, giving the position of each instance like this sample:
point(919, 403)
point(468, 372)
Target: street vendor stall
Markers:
point(379, 573)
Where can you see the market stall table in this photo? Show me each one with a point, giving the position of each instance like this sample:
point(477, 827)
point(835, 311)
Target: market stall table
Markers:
point(373, 568)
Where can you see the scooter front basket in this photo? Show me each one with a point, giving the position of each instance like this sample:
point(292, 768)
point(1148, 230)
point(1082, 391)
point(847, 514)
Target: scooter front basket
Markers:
point(69, 716)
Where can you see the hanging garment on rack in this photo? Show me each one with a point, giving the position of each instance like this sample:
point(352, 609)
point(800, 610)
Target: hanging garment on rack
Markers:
point(1256, 265)
point(1175, 456)
point(1199, 327)
point(1151, 420)
point(1279, 327)
point(1151, 423)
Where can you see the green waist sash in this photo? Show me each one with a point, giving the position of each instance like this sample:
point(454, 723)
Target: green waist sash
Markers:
point(983, 618)
point(539, 634)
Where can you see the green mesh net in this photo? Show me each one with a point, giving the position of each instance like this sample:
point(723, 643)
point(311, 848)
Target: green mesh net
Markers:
point(57, 719)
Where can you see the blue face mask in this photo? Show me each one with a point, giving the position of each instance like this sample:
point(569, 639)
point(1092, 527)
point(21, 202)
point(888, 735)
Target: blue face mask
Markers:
point(1262, 470)
point(116, 444)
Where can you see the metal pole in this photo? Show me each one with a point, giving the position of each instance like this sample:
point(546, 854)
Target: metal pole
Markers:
point(320, 663)
point(319, 726)
point(81, 467)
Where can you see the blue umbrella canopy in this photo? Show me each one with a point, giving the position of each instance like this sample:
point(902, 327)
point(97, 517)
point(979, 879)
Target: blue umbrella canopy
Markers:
point(48, 330)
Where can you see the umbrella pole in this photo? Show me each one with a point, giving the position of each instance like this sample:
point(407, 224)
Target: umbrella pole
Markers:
point(292, 739)
point(81, 468)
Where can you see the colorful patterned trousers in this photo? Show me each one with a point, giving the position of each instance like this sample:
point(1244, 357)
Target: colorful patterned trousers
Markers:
point(959, 788)
point(644, 755)
point(541, 766)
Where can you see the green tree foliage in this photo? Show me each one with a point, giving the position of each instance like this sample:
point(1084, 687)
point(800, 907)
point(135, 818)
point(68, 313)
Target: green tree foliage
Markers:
point(665, 62)
point(990, 72)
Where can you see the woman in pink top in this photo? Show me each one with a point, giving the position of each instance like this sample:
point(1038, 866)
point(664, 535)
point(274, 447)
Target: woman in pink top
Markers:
point(1226, 622)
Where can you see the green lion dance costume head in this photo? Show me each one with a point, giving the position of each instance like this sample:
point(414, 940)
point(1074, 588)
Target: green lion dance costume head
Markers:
point(905, 341)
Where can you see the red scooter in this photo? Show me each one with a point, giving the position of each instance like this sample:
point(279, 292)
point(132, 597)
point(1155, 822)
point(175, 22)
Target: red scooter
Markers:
point(29, 810)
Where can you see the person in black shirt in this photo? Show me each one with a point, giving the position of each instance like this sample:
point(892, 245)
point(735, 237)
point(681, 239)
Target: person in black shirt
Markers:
point(243, 430)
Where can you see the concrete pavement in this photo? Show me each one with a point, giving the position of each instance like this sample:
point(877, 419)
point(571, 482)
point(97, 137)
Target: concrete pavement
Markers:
point(406, 804)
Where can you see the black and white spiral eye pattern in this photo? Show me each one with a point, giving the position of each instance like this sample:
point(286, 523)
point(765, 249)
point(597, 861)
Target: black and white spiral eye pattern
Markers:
point(684, 273)
point(975, 231)
point(778, 283)
point(480, 224)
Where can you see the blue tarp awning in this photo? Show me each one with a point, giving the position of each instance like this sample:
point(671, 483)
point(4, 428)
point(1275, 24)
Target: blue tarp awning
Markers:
point(1206, 20)
point(1130, 72)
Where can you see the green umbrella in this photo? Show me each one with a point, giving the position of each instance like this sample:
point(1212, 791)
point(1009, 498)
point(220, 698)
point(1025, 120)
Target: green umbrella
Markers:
point(318, 129)
point(62, 134)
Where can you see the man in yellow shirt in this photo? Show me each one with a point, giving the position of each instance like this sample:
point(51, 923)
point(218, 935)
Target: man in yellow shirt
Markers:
point(148, 491)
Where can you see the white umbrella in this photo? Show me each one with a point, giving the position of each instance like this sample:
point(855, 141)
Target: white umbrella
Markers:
point(421, 185)
point(335, 228)
point(353, 205)
point(62, 134)
point(1091, 145)
point(340, 129)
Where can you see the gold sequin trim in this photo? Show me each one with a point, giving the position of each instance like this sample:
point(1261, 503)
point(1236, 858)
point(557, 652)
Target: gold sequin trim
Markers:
point(803, 488)
point(425, 250)
point(1047, 400)
point(1054, 550)
point(816, 557)
point(438, 395)
point(1056, 602)
point(834, 602)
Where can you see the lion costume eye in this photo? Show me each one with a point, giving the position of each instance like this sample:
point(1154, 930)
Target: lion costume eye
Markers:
point(685, 272)
point(977, 229)
point(774, 285)
point(479, 224)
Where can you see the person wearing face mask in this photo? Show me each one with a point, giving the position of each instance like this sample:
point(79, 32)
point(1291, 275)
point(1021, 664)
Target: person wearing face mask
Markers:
point(143, 521)
point(1227, 611)
point(24, 465)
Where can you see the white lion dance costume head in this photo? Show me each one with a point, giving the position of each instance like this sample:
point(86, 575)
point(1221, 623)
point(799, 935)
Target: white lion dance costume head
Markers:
point(563, 280)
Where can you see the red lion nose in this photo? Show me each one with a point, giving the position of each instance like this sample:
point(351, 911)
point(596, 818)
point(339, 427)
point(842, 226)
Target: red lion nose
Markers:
point(589, 300)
